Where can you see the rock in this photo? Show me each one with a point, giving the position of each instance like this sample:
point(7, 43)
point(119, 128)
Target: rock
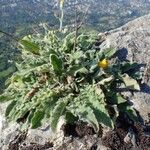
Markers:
point(133, 42)
point(38, 136)
point(7, 131)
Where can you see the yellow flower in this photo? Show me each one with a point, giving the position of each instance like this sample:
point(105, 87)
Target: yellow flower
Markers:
point(103, 64)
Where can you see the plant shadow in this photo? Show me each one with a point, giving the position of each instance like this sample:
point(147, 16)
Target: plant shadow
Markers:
point(145, 88)
point(122, 54)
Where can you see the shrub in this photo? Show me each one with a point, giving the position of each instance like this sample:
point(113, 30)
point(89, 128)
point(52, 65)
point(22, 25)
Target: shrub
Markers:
point(59, 78)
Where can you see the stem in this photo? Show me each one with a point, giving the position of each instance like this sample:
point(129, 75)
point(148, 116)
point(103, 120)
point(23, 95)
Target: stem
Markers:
point(9, 35)
point(76, 29)
point(61, 18)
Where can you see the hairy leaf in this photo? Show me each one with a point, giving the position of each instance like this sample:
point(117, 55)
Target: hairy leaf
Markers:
point(70, 118)
point(30, 46)
point(97, 103)
point(57, 113)
point(115, 98)
point(10, 107)
point(20, 111)
point(68, 42)
point(5, 97)
point(37, 118)
point(106, 80)
point(130, 82)
point(56, 64)
point(120, 99)
point(87, 114)
point(129, 110)
point(128, 66)
point(91, 101)
point(109, 52)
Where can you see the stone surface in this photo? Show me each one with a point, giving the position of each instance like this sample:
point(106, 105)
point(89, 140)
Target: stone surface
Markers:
point(133, 41)
point(7, 131)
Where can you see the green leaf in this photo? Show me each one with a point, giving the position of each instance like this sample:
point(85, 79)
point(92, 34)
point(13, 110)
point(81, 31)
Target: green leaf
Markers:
point(49, 105)
point(41, 68)
point(96, 98)
point(30, 46)
point(10, 107)
point(17, 79)
point(114, 98)
point(86, 114)
point(90, 106)
point(20, 111)
point(128, 66)
point(130, 82)
point(82, 70)
point(5, 73)
point(130, 111)
point(85, 41)
point(70, 118)
point(5, 97)
point(120, 99)
point(30, 116)
point(57, 113)
point(76, 55)
point(56, 63)
point(52, 51)
point(37, 118)
point(109, 52)
point(26, 125)
point(68, 42)
point(102, 115)
point(106, 80)
point(72, 70)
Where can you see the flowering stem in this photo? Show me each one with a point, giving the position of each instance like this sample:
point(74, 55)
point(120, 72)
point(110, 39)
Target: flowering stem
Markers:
point(62, 17)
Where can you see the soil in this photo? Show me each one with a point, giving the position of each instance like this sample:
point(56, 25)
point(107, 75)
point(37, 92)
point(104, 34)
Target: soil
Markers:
point(79, 129)
point(139, 136)
point(14, 145)
point(17, 144)
point(115, 139)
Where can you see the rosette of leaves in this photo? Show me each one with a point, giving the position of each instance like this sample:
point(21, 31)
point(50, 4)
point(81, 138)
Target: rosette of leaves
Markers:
point(55, 79)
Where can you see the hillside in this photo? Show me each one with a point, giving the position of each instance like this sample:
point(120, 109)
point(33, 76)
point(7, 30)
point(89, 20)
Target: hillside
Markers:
point(109, 13)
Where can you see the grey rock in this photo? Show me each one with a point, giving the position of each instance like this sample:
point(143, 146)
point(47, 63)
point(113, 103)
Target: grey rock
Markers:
point(133, 42)
point(7, 130)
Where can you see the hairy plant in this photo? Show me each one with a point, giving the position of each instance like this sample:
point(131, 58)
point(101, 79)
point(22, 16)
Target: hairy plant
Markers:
point(62, 14)
point(55, 79)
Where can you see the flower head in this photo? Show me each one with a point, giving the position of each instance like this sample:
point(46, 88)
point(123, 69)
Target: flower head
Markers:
point(103, 64)
point(62, 3)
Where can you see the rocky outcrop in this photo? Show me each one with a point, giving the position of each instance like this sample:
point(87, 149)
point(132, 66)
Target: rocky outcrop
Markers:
point(133, 42)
